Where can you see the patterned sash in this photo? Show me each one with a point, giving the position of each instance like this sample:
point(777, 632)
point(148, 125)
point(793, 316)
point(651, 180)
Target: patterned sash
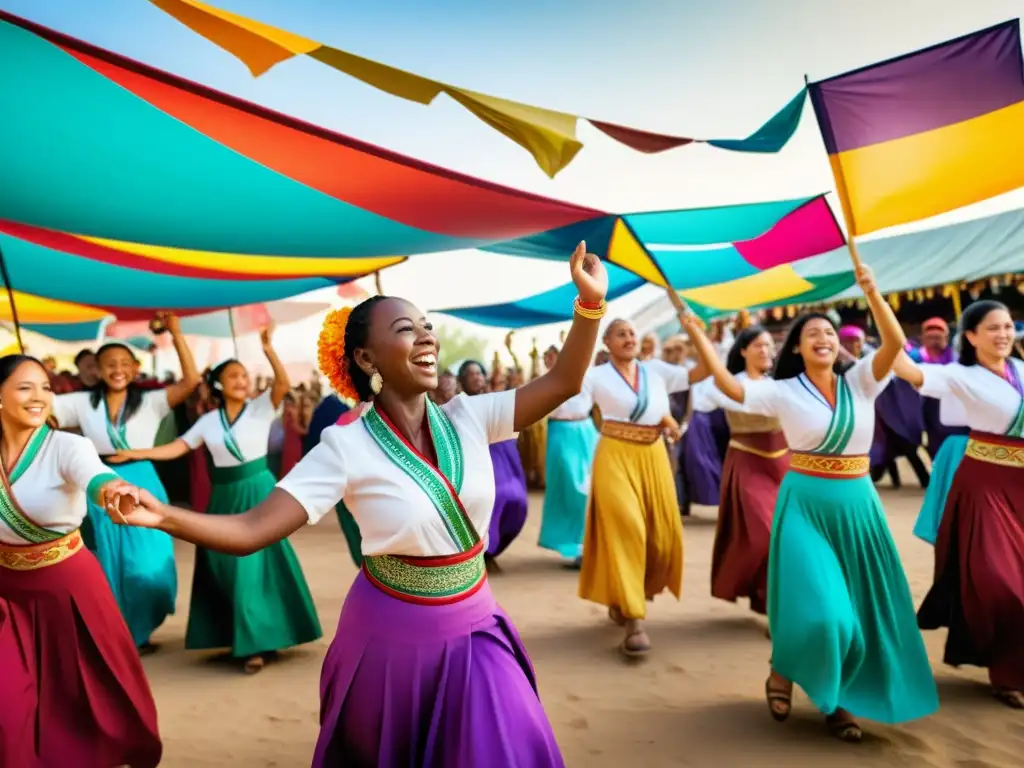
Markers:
point(840, 428)
point(640, 390)
point(443, 483)
point(1016, 428)
point(13, 516)
point(229, 438)
point(118, 433)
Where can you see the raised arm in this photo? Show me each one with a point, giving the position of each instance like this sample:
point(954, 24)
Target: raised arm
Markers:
point(710, 359)
point(173, 450)
point(282, 385)
point(908, 370)
point(542, 395)
point(893, 338)
point(178, 392)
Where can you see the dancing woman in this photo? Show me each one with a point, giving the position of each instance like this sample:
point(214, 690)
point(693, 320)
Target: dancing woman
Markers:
point(571, 441)
point(260, 603)
point(633, 545)
point(72, 689)
point(755, 464)
point(511, 502)
point(425, 668)
point(117, 415)
point(979, 552)
point(950, 419)
point(839, 607)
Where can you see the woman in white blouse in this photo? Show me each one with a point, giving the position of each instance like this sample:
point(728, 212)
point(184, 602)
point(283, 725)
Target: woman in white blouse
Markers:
point(258, 604)
point(425, 669)
point(633, 546)
point(839, 607)
point(116, 415)
point(979, 551)
point(72, 689)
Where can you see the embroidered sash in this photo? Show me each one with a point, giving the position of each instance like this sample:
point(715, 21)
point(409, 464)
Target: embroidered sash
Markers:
point(441, 484)
point(1016, 428)
point(118, 434)
point(229, 438)
point(840, 428)
point(11, 513)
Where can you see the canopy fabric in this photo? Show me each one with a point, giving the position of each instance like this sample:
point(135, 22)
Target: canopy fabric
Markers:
point(548, 135)
point(33, 310)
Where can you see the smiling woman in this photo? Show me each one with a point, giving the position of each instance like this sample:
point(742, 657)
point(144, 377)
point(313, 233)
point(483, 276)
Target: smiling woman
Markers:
point(85, 689)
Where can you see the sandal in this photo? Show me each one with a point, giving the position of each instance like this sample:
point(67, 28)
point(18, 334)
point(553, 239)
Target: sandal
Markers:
point(637, 651)
point(778, 693)
point(253, 665)
point(615, 614)
point(1012, 698)
point(844, 728)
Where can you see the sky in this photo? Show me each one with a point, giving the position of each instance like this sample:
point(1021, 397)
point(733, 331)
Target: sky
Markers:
point(707, 69)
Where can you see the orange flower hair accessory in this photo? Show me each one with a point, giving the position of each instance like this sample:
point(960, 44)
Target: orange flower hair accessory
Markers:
point(331, 353)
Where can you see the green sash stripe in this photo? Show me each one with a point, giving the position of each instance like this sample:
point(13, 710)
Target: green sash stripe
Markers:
point(11, 515)
point(429, 479)
point(119, 435)
point(641, 394)
point(1016, 428)
point(840, 428)
point(229, 437)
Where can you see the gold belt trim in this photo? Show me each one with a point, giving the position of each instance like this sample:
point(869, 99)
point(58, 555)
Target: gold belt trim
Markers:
point(996, 453)
point(763, 454)
point(36, 556)
point(437, 581)
point(824, 465)
point(631, 433)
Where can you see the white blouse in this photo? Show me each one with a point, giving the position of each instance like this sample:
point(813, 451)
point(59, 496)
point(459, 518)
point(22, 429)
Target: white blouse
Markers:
point(605, 387)
point(712, 398)
point(251, 431)
point(75, 411)
point(805, 414)
point(52, 490)
point(989, 402)
point(574, 409)
point(395, 516)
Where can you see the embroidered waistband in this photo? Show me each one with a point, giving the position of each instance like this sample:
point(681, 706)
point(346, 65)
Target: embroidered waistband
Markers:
point(739, 446)
point(631, 433)
point(996, 449)
point(428, 580)
point(35, 556)
point(825, 465)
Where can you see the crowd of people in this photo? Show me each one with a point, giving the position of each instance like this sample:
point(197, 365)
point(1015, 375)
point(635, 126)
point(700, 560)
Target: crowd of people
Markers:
point(428, 472)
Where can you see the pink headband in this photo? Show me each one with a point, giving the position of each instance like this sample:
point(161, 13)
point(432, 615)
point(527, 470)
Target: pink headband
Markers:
point(851, 332)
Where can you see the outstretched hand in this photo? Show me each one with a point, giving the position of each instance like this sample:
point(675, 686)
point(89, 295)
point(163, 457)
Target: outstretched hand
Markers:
point(138, 508)
point(866, 279)
point(589, 275)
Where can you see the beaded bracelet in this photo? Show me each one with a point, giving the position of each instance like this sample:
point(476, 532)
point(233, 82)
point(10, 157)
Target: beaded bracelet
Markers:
point(588, 310)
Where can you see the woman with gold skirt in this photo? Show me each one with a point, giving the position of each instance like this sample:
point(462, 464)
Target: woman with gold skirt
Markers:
point(633, 545)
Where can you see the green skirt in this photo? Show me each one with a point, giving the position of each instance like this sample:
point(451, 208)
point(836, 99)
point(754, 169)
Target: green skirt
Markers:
point(350, 529)
point(252, 604)
point(842, 619)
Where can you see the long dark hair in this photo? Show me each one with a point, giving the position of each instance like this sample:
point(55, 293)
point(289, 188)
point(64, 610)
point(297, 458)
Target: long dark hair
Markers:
point(357, 331)
point(10, 363)
point(969, 321)
point(214, 383)
point(464, 369)
point(789, 363)
point(734, 362)
point(133, 394)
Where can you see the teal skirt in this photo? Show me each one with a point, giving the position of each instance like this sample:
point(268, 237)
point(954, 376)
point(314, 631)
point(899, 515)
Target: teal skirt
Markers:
point(253, 604)
point(570, 455)
point(842, 619)
point(947, 462)
point(138, 562)
point(350, 529)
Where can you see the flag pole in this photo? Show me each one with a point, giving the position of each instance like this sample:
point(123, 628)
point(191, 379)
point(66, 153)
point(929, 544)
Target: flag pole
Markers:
point(231, 326)
point(10, 299)
point(851, 246)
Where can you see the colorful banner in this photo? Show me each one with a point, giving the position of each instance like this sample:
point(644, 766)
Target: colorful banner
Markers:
point(548, 135)
point(927, 132)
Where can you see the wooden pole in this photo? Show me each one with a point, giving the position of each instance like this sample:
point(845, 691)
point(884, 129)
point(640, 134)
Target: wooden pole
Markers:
point(10, 299)
point(377, 283)
point(231, 325)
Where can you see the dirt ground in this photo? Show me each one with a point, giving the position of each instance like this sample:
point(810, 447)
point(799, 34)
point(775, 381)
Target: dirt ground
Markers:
point(696, 701)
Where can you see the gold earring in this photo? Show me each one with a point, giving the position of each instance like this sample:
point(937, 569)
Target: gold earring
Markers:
point(376, 383)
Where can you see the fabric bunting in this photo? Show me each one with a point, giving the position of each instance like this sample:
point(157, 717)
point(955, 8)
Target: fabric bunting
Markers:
point(927, 132)
point(548, 135)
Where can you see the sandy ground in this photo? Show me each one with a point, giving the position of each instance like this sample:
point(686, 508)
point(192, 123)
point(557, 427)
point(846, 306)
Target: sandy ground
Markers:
point(696, 701)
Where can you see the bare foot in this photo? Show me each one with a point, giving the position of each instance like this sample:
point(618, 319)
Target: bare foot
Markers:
point(842, 725)
point(1011, 698)
point(636, 644)
point(615, 614)
point(779, 693)
point(253, 665)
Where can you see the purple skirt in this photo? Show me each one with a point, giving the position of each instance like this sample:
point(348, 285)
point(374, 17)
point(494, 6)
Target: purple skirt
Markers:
point(510, 499)
point(702, 453)
point(429, 686)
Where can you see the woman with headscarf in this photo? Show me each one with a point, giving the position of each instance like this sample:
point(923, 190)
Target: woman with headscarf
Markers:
point(116, 415)
point(978, 591)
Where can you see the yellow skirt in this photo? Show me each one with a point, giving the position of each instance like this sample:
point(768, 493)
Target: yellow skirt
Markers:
point(633, 546)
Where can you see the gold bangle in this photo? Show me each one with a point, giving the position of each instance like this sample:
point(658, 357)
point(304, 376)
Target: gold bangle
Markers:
point(590, 314)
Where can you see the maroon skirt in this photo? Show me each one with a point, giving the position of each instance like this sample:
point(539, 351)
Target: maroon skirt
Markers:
point(73, 689)
point(979, 562)
point(754, 467)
